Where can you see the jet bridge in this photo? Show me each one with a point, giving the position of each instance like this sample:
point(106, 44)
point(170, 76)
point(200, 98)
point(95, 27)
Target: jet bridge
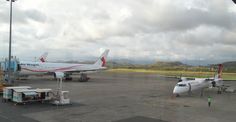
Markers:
point(14, 69)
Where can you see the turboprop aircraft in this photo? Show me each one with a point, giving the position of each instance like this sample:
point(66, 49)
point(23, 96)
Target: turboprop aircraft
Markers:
point(40, 68)
point(187, 86)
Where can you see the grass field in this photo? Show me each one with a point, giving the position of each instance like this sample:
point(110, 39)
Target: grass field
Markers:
point(226, 76)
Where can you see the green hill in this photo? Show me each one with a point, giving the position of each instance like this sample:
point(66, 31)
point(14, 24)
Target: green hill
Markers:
point(230, 66)
point(173, 66)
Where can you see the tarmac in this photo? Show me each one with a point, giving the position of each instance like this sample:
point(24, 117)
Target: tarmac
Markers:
point(123, 97)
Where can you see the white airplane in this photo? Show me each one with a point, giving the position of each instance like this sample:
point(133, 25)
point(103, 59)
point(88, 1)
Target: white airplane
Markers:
point(40, 68)
point(42, 59)
point(187, 86)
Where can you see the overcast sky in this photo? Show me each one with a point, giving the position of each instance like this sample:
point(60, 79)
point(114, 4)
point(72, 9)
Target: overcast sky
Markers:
point(131, 29)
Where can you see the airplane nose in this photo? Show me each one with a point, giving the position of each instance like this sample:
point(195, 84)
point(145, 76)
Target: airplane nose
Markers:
point(175, 91)
point(179, 90)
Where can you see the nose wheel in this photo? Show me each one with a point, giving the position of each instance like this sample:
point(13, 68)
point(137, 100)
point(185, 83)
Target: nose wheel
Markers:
point(219, 90)
point(175, 95)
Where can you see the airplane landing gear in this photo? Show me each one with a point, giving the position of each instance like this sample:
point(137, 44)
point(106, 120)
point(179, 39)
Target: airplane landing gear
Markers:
point(202, 90)
point(68, 77)
point(83, 78)
point(219, 90)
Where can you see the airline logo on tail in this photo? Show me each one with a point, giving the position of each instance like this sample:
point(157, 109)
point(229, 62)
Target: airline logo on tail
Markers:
point(42, 60)
point(43, 57)
point(103, 61)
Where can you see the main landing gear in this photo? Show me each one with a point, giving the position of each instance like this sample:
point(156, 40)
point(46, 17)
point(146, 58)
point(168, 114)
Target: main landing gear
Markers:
point(83, 78)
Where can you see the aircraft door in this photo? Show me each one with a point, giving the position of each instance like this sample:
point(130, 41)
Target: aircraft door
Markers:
point(18, 67)
point(190, 87)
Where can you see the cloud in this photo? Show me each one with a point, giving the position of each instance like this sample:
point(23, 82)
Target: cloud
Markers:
point(21, 16)
point(132, 29)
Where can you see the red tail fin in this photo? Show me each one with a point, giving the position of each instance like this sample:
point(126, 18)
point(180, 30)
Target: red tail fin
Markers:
point(103, 61)
point(220, 69)
point(43, 57)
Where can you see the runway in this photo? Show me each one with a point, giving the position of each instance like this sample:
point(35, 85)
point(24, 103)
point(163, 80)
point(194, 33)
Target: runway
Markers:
point(122, 97)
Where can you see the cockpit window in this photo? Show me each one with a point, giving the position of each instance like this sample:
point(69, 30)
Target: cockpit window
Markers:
point(182, 85)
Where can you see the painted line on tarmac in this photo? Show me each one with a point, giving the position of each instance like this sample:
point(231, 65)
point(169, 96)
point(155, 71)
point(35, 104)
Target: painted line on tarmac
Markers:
point(5, 117)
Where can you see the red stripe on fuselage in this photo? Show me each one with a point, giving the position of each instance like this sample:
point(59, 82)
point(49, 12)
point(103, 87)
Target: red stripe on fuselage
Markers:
point(53, 70)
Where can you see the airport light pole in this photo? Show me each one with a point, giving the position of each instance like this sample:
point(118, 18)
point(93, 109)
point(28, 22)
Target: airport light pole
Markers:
point(10, 35)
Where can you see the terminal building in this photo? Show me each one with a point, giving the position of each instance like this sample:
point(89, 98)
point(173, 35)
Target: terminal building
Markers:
point(14, 68)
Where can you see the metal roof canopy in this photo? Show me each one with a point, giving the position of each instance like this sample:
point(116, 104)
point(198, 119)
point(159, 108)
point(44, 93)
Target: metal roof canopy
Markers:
point(43, 90)
point(18, 87)
point(24, 90)
point(29, 93)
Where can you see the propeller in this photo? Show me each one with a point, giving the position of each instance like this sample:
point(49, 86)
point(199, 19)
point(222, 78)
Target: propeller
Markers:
point(212, 82)
point(180, 78)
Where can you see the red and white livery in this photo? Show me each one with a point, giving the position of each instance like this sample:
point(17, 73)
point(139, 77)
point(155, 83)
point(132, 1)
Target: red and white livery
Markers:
point(42, 67)
point(187, 86)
